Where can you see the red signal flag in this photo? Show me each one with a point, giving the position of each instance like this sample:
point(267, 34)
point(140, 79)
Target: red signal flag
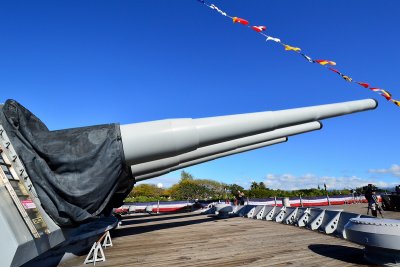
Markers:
point(241, 21)
point(259, 28)
point(365, 85)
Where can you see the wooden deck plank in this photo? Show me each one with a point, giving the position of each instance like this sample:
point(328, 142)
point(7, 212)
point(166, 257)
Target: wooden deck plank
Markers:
point(189, 239)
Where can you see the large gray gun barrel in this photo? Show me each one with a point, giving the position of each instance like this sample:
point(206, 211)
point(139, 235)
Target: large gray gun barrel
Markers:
point(209, 158)
point(73, 176)
point(84, 172)
point(150, 141)
point(156, 165)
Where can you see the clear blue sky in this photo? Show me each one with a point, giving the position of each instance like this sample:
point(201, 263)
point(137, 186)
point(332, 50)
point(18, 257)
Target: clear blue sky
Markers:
point(76, 63)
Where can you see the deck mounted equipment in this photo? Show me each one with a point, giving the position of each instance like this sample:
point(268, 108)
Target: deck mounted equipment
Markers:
point(59, 187)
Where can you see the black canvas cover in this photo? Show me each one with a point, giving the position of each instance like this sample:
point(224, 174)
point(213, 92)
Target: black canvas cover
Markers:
point(79, 174)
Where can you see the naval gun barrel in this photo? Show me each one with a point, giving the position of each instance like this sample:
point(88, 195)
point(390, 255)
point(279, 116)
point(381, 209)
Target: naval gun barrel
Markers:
point(80, 173)
point(148, 141)
point(156, 165)
point(209, 158)
point(73, 177)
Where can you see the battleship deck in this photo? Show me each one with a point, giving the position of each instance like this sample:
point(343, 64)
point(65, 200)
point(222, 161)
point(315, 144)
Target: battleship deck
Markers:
point(192, 239)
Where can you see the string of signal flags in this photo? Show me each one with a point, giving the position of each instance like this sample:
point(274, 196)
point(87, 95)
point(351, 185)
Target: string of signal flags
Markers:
point(323, 62)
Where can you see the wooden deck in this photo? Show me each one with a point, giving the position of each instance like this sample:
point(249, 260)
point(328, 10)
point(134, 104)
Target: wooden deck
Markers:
point(192, 239)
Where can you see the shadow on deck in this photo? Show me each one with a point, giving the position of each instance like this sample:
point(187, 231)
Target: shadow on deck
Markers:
point(129, 220)
point(134, 227)
point(338, 252)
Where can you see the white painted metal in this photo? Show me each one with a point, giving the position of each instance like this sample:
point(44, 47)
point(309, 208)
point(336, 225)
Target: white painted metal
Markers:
point(299, 214)
point(316, 223)
point(332, 225)
point(343, 220)
point(149, 141)
point(96, 254)
point(257, 210)
point(260, 214)
point(381, 237)
point(291, 218)
point(329, 215)
point(250, 214)
point(270, 214)
point(107, 240)
point(305, 218)
point(165, 163)
point(374, 232)
point(281, 214)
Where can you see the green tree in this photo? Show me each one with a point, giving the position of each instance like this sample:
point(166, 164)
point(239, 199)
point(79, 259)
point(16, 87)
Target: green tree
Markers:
point(254, 186)
point(148, 190)
point(191, 188)
point(262, 185)
point(214, 189)
point(145, 192)
point(185, 176)
point(233, 189)
point(188, 188)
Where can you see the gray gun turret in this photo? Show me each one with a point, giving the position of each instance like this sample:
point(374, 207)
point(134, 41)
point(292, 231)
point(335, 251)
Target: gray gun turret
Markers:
point(85, 172)
point(58, 182)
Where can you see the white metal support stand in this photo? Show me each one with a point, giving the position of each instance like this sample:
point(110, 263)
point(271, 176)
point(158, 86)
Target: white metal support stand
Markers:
point(96, 253)
point(107, 240)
